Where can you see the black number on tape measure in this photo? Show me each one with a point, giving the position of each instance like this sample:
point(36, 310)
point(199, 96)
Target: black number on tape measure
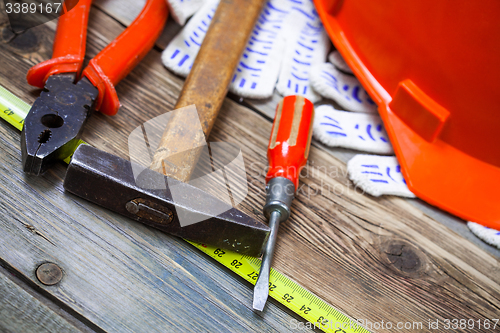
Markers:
point(271, 286)
point(305, 309)
point(322, 320)
point(8, 112)
point(340, 331)
point(253, 275)
point(236, 263)
point(219, 253)
point(287, 298)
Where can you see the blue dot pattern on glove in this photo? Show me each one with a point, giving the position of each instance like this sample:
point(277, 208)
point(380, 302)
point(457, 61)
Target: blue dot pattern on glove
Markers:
point(355, 130)
point(378, 175)
point(183, 57)
point(259, 48)
point(341, 86)
point(307, 45)
point(287, 40)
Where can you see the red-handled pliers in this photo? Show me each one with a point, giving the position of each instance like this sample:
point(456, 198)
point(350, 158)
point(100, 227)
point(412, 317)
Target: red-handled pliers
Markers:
point(55, 122)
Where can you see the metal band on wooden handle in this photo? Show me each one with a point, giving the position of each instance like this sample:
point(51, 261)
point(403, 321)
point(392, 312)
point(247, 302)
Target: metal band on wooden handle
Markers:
point(206, 86)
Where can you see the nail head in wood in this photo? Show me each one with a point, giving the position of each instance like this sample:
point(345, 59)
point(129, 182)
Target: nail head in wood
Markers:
point(49, 274)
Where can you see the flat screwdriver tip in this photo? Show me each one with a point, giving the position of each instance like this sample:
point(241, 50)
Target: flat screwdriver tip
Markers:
point(260, 294)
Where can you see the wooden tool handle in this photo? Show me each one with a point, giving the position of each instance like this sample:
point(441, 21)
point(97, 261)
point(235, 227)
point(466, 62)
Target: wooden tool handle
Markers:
point(206, 87)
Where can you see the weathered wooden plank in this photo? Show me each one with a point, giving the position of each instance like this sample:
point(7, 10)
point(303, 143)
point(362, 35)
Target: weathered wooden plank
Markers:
point(122, 11)
point(338, 234)
point(111, 278)
point(374, 258)
point(119, 275)
point(21, 312)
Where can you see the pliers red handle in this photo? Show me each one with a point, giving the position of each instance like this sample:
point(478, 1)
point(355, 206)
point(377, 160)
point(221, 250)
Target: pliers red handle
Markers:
point(56, 119)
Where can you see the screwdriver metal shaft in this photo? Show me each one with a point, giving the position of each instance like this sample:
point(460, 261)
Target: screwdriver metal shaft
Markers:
point(260, 292)
point(287, 154)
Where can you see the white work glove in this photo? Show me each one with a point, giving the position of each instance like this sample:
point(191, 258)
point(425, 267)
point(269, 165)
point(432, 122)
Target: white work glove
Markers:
point(286, 42)
point(335, 80)
point(488, 235)
point(360, 131)
point(181, 10)
point(363, 130)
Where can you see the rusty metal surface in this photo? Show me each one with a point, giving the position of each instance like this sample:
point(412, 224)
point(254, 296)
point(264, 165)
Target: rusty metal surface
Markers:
point(55, 122)
point(150, 210)
point(109, 181)
point(49, 274)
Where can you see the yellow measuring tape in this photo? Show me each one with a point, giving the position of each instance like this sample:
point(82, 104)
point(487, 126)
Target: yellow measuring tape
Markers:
point(318, 313)
point(13, 109)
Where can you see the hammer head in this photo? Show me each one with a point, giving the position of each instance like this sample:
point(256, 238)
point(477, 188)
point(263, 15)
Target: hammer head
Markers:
point(109, 181)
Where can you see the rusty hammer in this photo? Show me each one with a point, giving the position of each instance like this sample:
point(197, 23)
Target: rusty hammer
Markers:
point(109, 181)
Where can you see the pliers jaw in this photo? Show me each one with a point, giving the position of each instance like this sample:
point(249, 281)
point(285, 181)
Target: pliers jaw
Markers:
point(55, 122)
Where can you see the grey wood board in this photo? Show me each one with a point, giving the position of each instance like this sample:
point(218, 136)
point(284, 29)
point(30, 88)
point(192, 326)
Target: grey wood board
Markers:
point(122, 276)
point(21, 312)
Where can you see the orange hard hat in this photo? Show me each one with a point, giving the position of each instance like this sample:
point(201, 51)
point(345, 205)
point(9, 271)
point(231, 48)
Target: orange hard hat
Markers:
point(433, 68)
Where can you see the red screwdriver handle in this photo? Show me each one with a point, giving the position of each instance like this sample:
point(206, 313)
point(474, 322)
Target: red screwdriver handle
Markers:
point(290, 138)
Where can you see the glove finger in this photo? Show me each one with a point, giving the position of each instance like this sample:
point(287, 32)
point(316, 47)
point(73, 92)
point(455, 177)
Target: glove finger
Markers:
point(361, 131)
point(307, 44)
point(378, 175)
point(488, 235)
point(258, 70)
point(336, 59)
point(181, 10)
point(180, 53)
point(343, 88)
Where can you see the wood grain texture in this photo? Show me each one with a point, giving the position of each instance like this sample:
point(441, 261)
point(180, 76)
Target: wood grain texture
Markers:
point(373, 258)
point(186, 292)
point(21, 312)
point(118, 274)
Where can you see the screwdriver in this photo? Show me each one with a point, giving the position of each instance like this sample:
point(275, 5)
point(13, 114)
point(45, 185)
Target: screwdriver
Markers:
point(287, 154)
